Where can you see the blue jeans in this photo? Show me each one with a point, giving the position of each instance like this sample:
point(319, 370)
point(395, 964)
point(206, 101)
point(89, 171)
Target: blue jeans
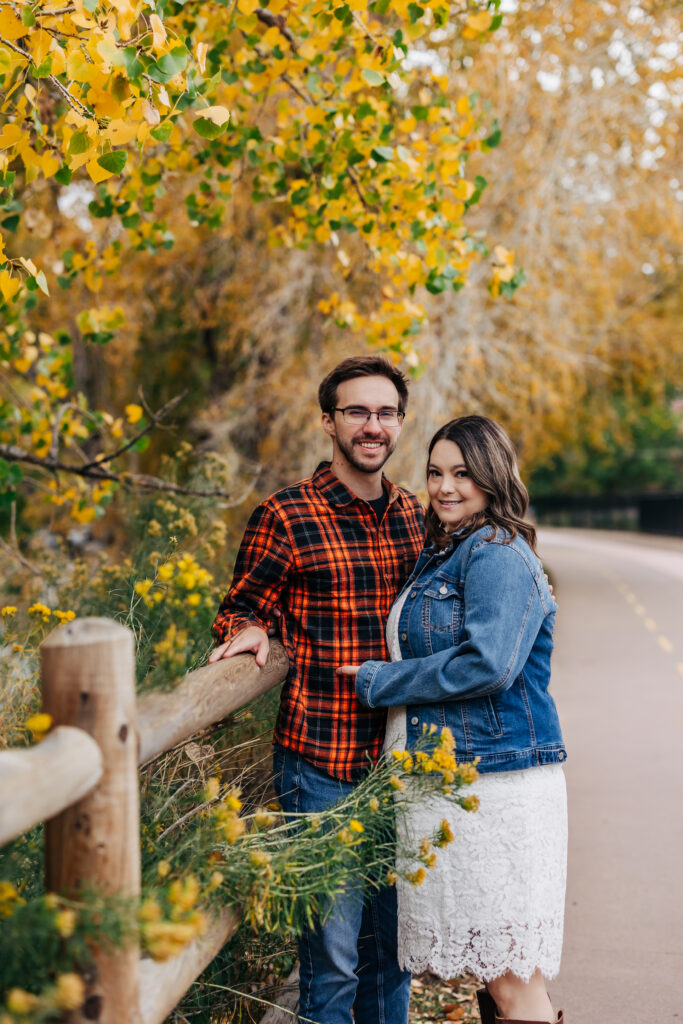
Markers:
point(349, 961)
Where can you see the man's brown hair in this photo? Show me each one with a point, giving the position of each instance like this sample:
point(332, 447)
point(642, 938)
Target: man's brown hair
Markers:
point(361, 366)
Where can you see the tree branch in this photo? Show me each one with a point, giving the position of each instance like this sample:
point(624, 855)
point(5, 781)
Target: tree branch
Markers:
point(155, 419)
point(130, 481)
point(276, 21)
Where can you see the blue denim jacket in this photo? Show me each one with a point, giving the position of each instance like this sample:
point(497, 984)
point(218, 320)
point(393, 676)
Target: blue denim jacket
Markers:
point(476, 634)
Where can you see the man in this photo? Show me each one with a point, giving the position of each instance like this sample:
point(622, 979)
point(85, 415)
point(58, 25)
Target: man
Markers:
point(330, 554)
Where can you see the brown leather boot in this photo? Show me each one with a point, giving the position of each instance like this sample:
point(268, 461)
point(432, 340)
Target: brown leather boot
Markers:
point(507, 1020)
point(487, 1007)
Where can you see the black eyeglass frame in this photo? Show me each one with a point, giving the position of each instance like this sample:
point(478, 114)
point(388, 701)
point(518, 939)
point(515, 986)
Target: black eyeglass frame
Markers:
point(400, 416)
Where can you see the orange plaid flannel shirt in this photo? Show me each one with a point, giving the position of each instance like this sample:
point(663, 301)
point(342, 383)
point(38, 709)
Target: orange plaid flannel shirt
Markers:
point(316, 552)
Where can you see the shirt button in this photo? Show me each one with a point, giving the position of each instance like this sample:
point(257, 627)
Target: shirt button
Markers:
point(414, 593)
point(561, 756)
point(414, 720)
point(404, 636)
point(443, 589)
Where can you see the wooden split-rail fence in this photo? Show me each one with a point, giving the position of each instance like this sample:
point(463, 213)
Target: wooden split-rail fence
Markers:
point(82, 781)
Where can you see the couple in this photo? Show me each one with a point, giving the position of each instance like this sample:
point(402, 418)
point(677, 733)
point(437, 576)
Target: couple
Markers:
point(454, 630)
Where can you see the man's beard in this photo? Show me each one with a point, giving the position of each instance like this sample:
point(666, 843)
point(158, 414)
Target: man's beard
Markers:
point(349, 454)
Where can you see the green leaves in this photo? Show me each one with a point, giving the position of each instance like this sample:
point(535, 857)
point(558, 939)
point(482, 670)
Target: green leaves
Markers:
point(373, 77)
point(163, 132)
point(168, 66)
point(382, 154)
point(79, 143)
point(114, 162)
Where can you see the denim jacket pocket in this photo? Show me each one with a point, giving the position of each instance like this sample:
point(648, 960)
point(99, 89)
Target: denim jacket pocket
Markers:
point(441, 613)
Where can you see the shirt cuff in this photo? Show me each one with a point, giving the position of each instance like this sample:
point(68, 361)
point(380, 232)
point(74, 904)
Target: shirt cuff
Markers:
point(226, 632)
point(364, 680)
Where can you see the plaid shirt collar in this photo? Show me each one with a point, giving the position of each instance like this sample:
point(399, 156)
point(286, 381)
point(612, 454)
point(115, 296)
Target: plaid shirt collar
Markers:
point(337, 493)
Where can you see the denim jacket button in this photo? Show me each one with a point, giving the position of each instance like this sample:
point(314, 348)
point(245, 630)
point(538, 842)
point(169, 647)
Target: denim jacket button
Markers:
point(414, 720)
point(404, 636)
point(443, 589)
point(414, 593)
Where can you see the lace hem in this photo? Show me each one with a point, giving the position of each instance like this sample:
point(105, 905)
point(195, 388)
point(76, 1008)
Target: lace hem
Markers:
point(521, 950)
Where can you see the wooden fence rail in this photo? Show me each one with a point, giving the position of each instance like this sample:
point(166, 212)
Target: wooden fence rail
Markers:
point(82, 781)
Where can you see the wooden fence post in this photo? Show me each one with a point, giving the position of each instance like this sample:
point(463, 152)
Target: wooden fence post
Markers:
point(88, 680)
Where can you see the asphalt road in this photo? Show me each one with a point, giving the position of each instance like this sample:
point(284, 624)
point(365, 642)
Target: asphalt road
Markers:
point(618, 683)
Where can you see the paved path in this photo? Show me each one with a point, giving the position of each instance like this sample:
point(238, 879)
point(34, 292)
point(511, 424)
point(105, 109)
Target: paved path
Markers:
point(618, 682)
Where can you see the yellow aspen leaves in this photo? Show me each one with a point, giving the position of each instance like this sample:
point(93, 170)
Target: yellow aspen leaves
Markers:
point(11, 27)
point(477, 23)
point(133, 413)
point(158, 32)
point(217, 115)
point(9, 286)
point(201, 52)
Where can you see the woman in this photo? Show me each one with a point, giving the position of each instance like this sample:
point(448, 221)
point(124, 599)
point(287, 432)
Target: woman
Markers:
point(471, 638)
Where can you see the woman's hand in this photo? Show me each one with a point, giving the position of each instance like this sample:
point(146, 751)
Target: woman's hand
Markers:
point(348, 670)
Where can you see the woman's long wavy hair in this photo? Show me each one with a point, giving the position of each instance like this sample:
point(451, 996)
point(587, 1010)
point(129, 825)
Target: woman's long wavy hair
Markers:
point(492, 464)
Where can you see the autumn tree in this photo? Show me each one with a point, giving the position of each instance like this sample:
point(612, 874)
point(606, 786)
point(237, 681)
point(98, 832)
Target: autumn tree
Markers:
point(584, 364)
point(159, 116)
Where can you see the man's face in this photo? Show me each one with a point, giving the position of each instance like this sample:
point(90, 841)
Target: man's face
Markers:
point(365, 447)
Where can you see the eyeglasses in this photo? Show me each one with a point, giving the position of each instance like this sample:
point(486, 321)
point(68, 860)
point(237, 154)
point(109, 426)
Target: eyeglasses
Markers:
point(358, 415)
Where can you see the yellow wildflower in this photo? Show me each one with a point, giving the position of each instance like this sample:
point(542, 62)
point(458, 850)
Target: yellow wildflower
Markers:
point(356, 826)
point(447, 740)
point(165, 572)
point(8, 610)
point(39, 724)
point(232, 801)
point(149, 911)
point(396, 783)
point(64, 616)
point(9, 899)
point(425, 847)
point(373, 804)
point(417, 877)
point(143, 587)
point(216, 880)
point(391, 878)
point(212, 788)
point(232, 828)
point(194, 599)
point(263, 818)
point(183, 894)
point(163, 869)
point(40, 609)
point(21, 1002)
point(65, 922)
point(445, 835)
point(345, 836)
point(408, 764)
point(467, 773)
point(430, 861)
point(70, 991)
point(470, 803)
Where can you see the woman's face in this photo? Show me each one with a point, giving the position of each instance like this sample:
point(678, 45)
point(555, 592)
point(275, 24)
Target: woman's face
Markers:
point(453, 494)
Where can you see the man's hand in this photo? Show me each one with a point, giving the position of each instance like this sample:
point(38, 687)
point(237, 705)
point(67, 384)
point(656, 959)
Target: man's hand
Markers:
point(253, 639)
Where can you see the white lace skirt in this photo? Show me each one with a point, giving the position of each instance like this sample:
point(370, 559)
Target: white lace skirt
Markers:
point(494, 902)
